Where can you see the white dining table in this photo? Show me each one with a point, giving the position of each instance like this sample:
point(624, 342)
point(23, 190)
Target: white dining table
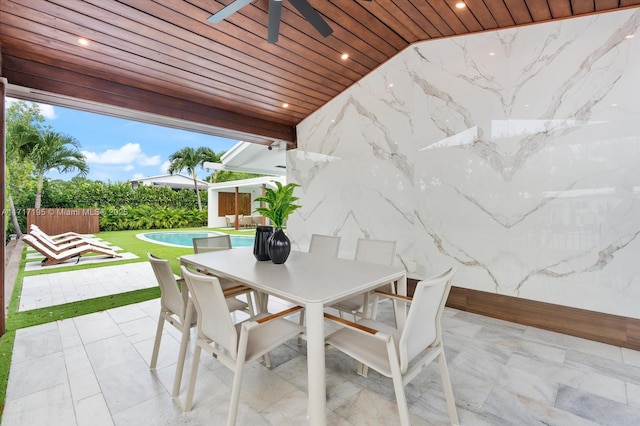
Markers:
point(309, 280)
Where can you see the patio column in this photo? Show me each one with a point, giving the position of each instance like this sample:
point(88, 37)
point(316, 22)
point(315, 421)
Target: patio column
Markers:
point(3, 194)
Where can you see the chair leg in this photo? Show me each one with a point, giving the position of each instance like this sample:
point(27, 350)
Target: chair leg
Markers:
point(252, 311)
point(186, 329)
point(301, 324)
point(401, 400)
point(448, 391)
point(363, 370)
point(156, 344)
point(398, 384)
point(235, 390)
point(192, 380)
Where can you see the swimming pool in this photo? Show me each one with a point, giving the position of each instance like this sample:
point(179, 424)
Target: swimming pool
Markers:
point(185, 238)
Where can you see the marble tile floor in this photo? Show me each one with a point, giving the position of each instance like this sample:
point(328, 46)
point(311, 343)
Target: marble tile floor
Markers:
point(94, 370)
point(56, 288)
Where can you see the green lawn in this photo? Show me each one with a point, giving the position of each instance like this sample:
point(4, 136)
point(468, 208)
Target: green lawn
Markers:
point(126, 240)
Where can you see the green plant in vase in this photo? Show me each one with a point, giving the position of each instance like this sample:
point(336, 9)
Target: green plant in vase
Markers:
point(279, 204)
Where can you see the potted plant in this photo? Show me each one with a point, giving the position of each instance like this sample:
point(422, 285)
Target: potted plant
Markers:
point(280, 203)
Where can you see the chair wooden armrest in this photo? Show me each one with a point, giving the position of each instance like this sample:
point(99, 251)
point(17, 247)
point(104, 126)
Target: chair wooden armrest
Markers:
point(394, 296)
point(353, 325)
point(279, 314)
point(236, 290)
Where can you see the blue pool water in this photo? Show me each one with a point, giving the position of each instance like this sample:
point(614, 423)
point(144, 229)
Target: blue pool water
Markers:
point(185, 238)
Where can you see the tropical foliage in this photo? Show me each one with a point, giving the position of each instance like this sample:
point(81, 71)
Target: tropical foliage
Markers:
point(150, 217)
point(22, 121)
point(189, 159)
point(113, 200)
point(228, 176)
point(54, 151)
point(280, 203)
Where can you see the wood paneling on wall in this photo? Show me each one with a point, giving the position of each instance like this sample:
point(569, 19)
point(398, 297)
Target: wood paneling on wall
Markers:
point(226, 203)
point(612, 329)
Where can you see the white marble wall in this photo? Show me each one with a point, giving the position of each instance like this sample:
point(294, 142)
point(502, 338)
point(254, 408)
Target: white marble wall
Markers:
point(513, 155)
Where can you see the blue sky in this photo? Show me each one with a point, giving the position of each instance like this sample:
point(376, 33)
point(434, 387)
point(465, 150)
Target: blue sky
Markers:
point(119, 150)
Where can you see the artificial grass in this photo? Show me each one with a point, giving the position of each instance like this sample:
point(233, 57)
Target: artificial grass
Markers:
point(126, 240)
point(82, 307)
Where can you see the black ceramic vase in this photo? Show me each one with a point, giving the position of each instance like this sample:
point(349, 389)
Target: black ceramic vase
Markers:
point(279, 246)
point(261, 243)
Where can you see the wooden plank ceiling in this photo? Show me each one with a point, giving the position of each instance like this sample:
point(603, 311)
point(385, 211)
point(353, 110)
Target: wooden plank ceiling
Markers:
point(163, 57)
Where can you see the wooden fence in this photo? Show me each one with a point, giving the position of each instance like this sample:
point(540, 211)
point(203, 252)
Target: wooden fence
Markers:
point(58, 221)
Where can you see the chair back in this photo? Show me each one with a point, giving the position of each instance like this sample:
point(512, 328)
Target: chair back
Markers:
point(214, 319)
point(325, 245)
point(376, 251)
point(41, 248)
point(422, 328)
point(216, 242)
point(170, 296)
point(36, 232)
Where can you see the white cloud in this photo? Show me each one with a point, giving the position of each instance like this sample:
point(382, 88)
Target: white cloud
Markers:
point(149, 161)
point(48, 111)
point(130, 154)
point(128, 168)
point(138, 176)
point(164, 168)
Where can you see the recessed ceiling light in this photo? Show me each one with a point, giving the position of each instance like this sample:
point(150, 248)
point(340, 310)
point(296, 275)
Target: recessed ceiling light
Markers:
point(285, 105)
point(83, 41)
point(492, 54)
point(460, 5)
point(344, 56)
point(390, 84)
point(614, 105)
point(628, 36)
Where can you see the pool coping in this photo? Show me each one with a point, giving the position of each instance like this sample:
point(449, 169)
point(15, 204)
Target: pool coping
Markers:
point(142, 237)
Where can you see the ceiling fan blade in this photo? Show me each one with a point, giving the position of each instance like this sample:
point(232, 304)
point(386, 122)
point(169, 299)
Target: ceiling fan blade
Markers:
point(275, 10)
point(312, 16)
point(228, 10)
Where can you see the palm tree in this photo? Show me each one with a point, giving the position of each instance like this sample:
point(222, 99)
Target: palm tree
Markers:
point(23, 121)
point(20, 139)
point(54, 150)
point(189, 158)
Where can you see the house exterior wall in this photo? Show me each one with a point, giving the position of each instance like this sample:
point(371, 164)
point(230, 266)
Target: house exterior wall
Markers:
point(513, 155)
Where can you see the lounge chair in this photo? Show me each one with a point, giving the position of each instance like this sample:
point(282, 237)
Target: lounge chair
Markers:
point(53, 258)
point(65, 237)
point(59, 247)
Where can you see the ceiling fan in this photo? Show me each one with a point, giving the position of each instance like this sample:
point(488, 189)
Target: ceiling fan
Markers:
point(275, 10)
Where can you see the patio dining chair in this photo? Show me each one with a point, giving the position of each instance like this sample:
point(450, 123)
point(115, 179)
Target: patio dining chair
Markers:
point(232, 344)
point(176, 309)
point(212, 243)
point(223, 242)
point(372, 251)
point(402, 354)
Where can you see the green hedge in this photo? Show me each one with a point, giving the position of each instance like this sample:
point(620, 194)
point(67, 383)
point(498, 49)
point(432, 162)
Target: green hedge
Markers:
point(121, 206)
point(150, 217)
